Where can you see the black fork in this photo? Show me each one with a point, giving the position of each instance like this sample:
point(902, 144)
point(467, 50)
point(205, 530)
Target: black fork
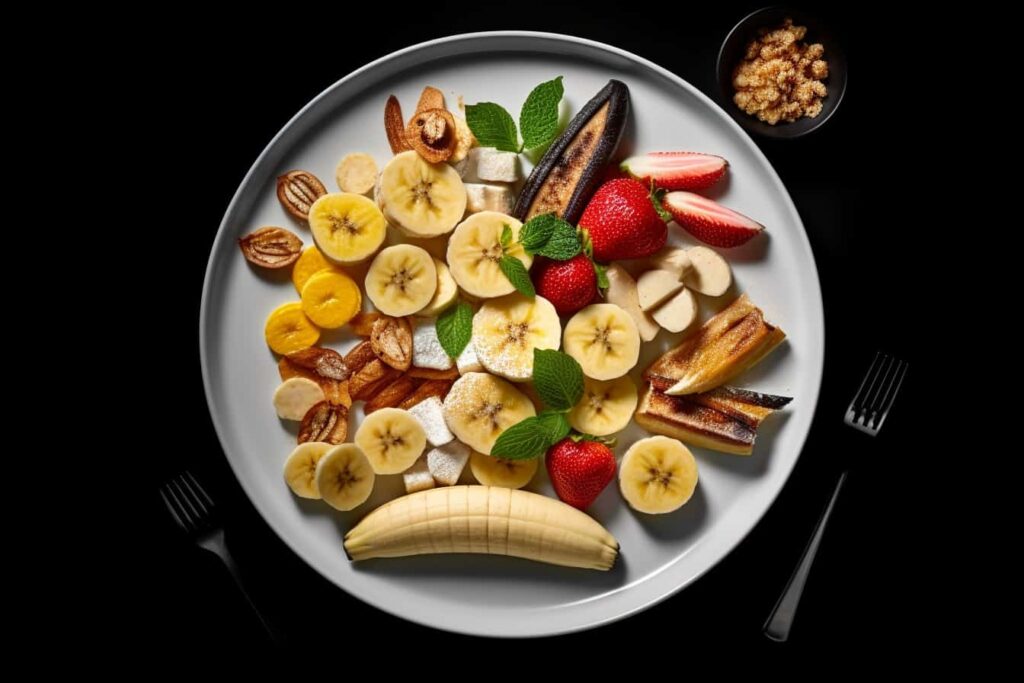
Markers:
point(197, 515)
point(866, 413)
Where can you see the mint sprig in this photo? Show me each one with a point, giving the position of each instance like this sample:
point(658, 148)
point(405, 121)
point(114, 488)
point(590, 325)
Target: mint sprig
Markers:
point(517, 274)
point(455, 328)
point(558, 379)
point(493, 126)
point(548, 235)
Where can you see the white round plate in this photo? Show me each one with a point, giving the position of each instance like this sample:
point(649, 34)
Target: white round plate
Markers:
point(500, 596)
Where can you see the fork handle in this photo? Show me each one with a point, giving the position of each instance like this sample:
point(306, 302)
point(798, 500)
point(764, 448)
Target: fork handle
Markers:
point(780, 621)
point(219, 547)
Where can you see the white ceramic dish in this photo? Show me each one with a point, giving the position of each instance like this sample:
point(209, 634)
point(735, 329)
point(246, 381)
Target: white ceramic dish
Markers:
point(500, 596)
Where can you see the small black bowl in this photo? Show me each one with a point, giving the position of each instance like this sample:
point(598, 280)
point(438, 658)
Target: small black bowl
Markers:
point(734, 48)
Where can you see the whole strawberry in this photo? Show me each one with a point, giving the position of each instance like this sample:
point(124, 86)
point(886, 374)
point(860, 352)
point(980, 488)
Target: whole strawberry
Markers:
point(569, 285)
point(580, 470)
point(623, 222)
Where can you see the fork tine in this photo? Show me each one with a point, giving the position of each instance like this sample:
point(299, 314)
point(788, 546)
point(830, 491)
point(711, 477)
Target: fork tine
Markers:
point(203, 495)
point(859, 396)
point(172, 508)
point(881, 382)
point(193, 497)
point(890, 394)
point(195, 512)
point(179, 507)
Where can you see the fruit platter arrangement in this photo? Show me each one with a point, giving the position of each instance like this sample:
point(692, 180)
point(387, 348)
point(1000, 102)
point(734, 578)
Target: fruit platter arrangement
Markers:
point(493, 326)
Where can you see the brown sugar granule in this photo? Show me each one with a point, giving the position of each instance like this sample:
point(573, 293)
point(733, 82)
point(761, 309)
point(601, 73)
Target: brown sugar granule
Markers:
point(780, 78)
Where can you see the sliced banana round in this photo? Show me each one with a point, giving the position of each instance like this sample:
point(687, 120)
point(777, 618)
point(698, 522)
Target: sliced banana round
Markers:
point(392, 440)
point(295, 396)
point(606, 406)
point(604, 340)
point(346, 227)
point(446, 293)
point(479, 407)
point(474, 252)
point(507, 330)
point(509, 474)
point(657, 475)
point(401, 280)
point(344, 477)
point(420, 198)
point(300, 468)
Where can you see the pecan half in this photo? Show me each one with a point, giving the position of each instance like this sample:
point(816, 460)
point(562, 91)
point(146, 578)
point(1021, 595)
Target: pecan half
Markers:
point(362, 323)
point(297, 190)
point(394, 126)
point(359, 356)
point(325, 422)
point(430, 98)
point(430, 373)
point(271, 247)
point(324, 362)
point(432, 387)
point(391, 395)
point(391, 339)
point(433, 135)
point(371, 373)
point(334, 391)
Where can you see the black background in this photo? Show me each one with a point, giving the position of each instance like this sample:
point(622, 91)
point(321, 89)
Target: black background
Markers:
point(234, 90)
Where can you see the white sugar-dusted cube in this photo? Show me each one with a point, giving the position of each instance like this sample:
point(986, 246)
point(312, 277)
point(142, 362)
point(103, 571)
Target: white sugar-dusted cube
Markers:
point(418, 477)
point(447, 462)
point(427, 351)
point(484, 197)
point(467, 360)
point(430, 413)
point(487, 164)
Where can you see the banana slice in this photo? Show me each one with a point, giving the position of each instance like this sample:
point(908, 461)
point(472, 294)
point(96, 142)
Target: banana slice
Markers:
point(479, 407)
point(288, 329)
point(295, 396)
point(420, 198)
point(300, 468)
point(657, 475)
point(356, 173)
point(507, 330)
point(310, 262)
point(346, 227)
point(331, 298)
point(606, 407)
point(392, 440)
point(474, 252)
point(344, 477)
point(401, 280)
point(603, 339)
point(509, 474)
point(446, 293)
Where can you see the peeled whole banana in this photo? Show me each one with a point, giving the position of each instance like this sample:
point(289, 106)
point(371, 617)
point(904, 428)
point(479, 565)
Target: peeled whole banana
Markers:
point(483, 519)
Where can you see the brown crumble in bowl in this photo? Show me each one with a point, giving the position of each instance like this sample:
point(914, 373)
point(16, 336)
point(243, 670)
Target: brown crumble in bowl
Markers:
point(780, 78)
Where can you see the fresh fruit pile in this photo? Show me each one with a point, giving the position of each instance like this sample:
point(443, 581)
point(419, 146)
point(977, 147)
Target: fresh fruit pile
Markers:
point(504, 328)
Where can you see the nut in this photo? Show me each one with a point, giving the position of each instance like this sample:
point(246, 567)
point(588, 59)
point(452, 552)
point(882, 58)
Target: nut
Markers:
point(391, 395)
point(394, 126)
point(334, 391)
point(430, 98)
point(391, 339)
point(428, 373)
point(271, 247)
point(432, 387)
point(369, 374)
point(359, 356)
point(433, 135)
point(297, 190)
point(362, 323)
point(324, 362)
point(325, 422)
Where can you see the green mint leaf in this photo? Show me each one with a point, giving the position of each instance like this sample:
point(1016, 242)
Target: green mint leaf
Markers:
point(506, 235)
point(522, 441)
point(656, 196)
point(492, 126)
point(564, 243)
point(454, 328)
point(537, 231)
point(558, 379)
point(516, 273)
point(602, 276)
point(554, 425)
point(538, 119)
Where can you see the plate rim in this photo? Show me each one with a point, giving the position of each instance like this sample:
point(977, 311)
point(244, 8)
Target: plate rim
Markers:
point(546, 627)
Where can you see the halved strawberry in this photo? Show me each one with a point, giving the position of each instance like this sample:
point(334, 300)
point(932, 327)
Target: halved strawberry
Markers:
point(676, 170)
point(709, 221)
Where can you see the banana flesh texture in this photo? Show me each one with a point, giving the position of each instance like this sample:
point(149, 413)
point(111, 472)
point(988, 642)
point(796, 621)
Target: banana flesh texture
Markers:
point(483, 519)
point(421, 199)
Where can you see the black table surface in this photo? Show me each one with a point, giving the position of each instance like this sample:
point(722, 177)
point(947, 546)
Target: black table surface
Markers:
point(235, 92)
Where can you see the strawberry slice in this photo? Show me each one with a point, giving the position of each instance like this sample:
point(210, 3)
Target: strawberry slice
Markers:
point(709, 221)
point(676, 170)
